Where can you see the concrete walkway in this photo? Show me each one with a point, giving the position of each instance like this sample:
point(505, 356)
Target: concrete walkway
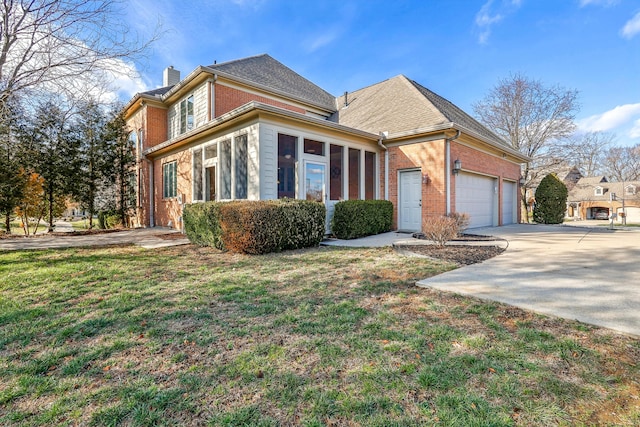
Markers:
point(588, 274)
point(149, 238)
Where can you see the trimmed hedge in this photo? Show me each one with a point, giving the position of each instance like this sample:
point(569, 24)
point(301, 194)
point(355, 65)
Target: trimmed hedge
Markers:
point(256, 227)
point(202, 224)
point(359, 218)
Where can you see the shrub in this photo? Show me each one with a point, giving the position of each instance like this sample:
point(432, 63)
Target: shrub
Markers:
point(359, 218)
point(202, 224)
point(461, 219)
point(551, 201)
point(441, 229)
point(255, 227)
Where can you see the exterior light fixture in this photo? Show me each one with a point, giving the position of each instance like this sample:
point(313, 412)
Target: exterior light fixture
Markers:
point(521, 181)
point(457, 165)
point(426, 179)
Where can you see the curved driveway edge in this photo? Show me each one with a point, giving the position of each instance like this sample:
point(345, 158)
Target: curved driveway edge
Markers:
point(588, 274)
point(148, 238)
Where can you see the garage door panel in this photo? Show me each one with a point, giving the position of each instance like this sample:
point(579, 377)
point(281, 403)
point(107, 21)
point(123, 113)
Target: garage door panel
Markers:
point(475, 196)
point(633, 215)
point(508, 202)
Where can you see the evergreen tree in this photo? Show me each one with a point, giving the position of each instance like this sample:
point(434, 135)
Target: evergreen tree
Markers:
point(55, 145)
point(122, 161)
point(551, 201)
point(13, 179)
point(94, 157)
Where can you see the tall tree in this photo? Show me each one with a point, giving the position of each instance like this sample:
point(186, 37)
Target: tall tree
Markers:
point(94, 157)
point(587, 151)
point(13, 179)
point(55, 145)
point(533, 118)
point(121, 158)
point(51, 44)
point(623, 163)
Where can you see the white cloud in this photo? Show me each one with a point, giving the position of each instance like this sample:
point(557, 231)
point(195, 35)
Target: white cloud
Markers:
point(618, 117)
point(488, 16)
point(604, 3)
point(485, 20)
point(632, 27)
point(315, 43)
point(635, 130)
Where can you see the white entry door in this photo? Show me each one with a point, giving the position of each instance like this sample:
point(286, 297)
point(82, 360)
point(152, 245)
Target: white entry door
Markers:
point(315, 184)
point(410, 200)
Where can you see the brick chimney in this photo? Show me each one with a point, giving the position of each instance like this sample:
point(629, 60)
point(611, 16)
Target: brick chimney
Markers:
point(170, 76)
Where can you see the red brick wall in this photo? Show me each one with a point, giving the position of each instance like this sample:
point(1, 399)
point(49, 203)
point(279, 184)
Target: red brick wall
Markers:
point(429, 157)
point(169, 209)
point(156, 126)
point(477, 161)
point(226, 99)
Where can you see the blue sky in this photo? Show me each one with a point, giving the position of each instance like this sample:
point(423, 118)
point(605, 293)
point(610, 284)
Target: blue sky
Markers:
point(457, 48)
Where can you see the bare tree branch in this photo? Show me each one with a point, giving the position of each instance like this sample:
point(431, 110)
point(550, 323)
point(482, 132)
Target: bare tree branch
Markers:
point(532, 118)
point(51, 42)
point(622, 163)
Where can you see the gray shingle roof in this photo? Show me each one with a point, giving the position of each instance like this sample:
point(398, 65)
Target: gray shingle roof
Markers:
point(158, 91)
point(400, 105)
point(585, 190)
point(268, 72)
point(455, 114)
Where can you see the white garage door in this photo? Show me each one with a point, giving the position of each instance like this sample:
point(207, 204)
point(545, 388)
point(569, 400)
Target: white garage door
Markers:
point(475, 196)
point(508, 202)
point(633, 215)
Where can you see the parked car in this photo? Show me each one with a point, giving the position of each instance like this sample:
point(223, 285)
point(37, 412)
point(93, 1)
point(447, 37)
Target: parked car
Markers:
point(602, 215)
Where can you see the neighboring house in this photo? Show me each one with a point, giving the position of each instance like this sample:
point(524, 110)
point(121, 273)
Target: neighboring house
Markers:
point(569, 175)
point(254, 129)
point(595, 197)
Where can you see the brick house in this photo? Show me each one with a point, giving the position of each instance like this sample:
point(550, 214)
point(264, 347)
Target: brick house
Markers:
point(254, 129)
point(595, 197)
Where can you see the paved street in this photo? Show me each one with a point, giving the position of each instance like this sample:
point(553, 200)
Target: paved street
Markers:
point(588, 274)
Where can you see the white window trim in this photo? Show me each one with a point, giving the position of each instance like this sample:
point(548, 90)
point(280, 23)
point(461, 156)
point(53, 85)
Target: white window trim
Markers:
point(598, 191)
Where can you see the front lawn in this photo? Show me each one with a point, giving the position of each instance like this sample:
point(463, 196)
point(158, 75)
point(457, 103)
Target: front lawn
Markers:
point(328, 336)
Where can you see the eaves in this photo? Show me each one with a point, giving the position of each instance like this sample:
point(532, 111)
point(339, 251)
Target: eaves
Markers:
point(244, 113)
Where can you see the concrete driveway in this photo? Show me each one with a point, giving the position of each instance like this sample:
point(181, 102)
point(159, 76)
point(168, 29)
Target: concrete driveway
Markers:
point(588, 274)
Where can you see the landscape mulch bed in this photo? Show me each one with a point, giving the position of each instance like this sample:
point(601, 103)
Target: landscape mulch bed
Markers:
point(459, 254)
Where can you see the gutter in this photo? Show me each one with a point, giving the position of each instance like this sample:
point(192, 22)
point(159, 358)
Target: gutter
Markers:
point(257, 107)
point(447, 159)
point(383, 136)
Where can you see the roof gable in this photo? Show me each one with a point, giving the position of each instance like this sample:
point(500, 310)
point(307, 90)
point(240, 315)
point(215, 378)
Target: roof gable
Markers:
point(400, 105)
point(455, 114)
point(592, 180)
point(392, 105)
point(265, 71)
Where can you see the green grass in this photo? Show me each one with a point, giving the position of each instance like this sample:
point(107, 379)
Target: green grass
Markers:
point(192, 336)
point(16, 228)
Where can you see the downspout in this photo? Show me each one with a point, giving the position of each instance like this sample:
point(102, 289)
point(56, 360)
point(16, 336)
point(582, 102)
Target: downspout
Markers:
point(448, 167)
point(151, 196)
point(212, 98)
point(383, 136)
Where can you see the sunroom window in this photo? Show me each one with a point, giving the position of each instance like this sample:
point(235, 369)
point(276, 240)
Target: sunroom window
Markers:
point(186, 114)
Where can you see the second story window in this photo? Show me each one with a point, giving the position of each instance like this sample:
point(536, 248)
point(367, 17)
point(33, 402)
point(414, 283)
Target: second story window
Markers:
point(598, 191)
point(186, 114)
